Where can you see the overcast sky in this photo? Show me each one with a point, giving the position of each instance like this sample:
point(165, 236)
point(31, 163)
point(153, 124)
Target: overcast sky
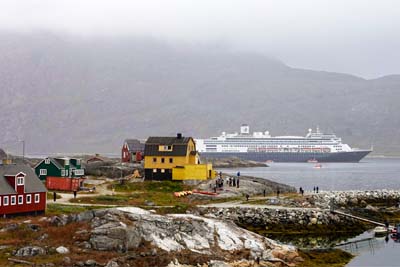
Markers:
point(360, 37)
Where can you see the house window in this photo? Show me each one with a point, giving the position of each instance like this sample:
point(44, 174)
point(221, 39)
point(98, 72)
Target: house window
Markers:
point(162, 160)
point(47, 161)
point(20, 200)
point(28, 199)
point(62, 172)
point(20, 181)
point(79, 172)
point(5, 201)
point(43, 172)
point(66, 172)
point(37, 198)
point(13, 200)
point(162, 170)
point(154, 170)
point(154, 160)
point(171, 160)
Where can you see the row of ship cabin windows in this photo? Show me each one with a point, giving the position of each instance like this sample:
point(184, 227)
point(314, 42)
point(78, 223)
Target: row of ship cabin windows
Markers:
point(171, 160)
point(13, 200)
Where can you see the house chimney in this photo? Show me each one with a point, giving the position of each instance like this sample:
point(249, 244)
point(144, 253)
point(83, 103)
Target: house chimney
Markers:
point(179, 135)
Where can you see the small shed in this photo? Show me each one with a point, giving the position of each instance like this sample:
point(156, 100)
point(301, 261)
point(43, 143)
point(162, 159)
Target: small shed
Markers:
point(132, 150)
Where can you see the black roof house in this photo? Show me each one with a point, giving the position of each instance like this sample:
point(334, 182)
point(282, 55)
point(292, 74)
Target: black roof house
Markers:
point(179, 146)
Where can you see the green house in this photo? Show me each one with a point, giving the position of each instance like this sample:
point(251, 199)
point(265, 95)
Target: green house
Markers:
point(59, 167)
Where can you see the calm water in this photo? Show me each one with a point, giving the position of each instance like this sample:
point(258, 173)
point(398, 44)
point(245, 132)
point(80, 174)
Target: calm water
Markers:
point(370, 173)
point(382, 251)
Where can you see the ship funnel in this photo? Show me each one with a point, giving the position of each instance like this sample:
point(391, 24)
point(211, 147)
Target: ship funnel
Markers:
point(244, 129)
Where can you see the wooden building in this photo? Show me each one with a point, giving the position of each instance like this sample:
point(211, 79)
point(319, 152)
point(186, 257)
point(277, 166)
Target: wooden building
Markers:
point(174, 158)
point(64, 174)
point(132, 151)
point(21, 191)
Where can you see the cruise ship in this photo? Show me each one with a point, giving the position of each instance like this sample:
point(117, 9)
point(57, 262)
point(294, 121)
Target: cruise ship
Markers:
point(261, 146)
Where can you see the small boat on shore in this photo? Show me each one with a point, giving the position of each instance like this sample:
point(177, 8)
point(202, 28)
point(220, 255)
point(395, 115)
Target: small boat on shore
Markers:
point(312, 161)
point(318, 166)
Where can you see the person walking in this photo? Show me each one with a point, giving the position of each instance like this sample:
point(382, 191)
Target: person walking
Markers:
point(264, 192)
point(278, 192)
point(317, 189)
point(74, 193)
point(247, 197)
point(54, 196)
point(237, 183)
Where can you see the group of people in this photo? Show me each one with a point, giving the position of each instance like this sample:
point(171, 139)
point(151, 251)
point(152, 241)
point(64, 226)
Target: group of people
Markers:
point(315, 190)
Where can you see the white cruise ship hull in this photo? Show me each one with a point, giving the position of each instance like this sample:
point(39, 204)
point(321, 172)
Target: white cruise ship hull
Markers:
point(348, 156)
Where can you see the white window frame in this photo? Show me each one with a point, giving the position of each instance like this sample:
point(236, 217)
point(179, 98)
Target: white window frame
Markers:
point(20, 197)
point(62, 172)
point(79, 172)
point(66, 172)
point(47, 161)
point(43, 171)
point(37, 198)
point(6, 201)
point(13, 200)
point(20, 180)
point(28, 199)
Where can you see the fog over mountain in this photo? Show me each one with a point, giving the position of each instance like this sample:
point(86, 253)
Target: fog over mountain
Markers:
point(65, 94)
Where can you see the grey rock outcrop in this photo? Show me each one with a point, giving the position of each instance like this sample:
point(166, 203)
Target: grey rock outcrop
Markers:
point(124, 229)
point(30, 251)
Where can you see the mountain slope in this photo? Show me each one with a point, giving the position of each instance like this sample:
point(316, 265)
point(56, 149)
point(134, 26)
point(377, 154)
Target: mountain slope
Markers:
point(65, 94)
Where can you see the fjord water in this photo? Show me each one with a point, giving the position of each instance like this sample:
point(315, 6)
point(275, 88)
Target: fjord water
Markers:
point(368, 174)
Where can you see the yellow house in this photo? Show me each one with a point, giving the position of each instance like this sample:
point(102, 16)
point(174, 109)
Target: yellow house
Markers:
point(174, 158)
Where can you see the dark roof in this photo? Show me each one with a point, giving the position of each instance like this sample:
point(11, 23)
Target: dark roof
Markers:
point(3, 155)
point(134, 145)
point(32, 182)
point(58, 162)
point(179, 146)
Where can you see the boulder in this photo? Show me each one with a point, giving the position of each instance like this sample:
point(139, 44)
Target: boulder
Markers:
point(62, 250)
point(30, 251)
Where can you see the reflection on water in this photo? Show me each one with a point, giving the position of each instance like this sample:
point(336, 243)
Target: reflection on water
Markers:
point(311, 241)
point(374, 251)
point(370, 251)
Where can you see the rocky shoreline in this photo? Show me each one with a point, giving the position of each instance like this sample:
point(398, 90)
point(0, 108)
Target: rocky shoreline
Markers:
point(233, 162)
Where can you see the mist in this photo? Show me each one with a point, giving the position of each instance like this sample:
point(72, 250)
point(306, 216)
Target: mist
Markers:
point(356, 37)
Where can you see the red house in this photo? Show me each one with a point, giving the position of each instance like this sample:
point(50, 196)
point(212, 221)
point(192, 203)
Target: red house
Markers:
point(132, 151)
point(21, 191)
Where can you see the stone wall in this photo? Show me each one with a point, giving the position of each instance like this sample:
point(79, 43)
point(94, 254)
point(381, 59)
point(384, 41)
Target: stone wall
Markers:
point(284, 219)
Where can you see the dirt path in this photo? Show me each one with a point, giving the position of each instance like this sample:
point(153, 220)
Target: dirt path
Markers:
point(101, 190)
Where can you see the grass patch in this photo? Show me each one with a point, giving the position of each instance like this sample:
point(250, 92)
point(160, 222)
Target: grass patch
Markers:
point(152, 186)
point(326, 258)
point(50, 195)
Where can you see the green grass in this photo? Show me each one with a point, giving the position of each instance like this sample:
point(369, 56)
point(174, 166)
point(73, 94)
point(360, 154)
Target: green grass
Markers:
point(152, 186)
point(50, 195)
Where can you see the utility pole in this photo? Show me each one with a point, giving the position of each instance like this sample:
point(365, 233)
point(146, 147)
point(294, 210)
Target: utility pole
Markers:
point(23, 150)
